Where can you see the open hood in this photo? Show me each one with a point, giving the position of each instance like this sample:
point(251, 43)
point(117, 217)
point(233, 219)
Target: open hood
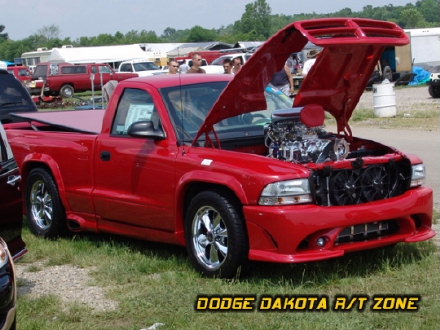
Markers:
point(351, 49)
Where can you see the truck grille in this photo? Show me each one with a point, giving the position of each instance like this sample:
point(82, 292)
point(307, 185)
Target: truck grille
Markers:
point(338, 187)
point(367, 231)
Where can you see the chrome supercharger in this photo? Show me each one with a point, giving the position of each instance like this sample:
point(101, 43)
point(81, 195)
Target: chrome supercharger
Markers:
point(289, 138)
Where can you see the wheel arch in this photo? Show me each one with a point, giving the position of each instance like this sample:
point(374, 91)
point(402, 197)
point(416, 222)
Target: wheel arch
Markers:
point(190, 187)
point(46, 163)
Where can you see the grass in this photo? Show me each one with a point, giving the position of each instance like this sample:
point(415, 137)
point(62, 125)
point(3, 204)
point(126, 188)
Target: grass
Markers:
point(155, 283)
point(421, 119)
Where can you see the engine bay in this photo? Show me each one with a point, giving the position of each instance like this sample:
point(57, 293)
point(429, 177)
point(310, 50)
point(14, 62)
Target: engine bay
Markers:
point(297, 135)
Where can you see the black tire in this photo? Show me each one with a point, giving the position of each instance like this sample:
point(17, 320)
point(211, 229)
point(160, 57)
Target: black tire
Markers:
point(67, 91)
point(434, 89)
point(222, 249)
point(45, 212)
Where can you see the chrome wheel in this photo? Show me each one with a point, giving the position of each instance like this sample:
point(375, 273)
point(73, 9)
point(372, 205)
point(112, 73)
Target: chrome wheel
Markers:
point(41, 205)
point(210, 237)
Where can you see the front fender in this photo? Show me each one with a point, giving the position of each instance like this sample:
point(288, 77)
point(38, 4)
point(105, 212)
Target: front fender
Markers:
point(210, 177)
point(202, 177)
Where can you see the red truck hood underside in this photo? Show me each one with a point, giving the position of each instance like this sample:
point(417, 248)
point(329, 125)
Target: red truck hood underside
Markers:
point(351, 49)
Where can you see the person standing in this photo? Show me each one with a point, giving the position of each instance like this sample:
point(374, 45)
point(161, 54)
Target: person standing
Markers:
point(196, 64)
point(237, 64)
point(173, 67)
point(227, 66)
point(311, 59)
point(283, 79)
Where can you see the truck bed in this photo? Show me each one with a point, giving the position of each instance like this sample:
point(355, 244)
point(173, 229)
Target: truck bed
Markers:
point(82, 121)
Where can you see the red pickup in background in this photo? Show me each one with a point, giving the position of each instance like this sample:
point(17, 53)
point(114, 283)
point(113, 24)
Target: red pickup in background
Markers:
point(66, 79)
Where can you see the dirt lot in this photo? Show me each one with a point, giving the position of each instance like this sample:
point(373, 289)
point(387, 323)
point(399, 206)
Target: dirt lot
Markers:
point(408, 100)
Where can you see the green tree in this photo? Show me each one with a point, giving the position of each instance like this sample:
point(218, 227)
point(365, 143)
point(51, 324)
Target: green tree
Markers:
point(169, 34)
point(199, 34)
point(430, 10)
point(49, 32)
point(412, 18)
point(256, 21)
point(3, 36)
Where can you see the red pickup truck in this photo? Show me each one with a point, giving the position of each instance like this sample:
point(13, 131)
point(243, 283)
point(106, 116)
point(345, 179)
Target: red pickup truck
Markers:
point(228, 166)
point(66, 79)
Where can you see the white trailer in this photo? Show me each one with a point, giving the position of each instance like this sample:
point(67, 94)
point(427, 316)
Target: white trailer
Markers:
point(425, 48)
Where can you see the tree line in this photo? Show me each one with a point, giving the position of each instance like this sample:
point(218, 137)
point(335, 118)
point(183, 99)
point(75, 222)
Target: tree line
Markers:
point(256, 23)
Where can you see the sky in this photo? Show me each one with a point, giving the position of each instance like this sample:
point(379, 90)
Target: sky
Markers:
point(77, 18)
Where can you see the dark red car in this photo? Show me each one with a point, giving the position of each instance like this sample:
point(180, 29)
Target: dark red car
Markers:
point(229, 166)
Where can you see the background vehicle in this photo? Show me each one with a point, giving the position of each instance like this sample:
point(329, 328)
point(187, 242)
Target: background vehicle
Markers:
point(229, 168)
point(66, 79)
point(217, 65)
point(13, 97)
point(434, 85)
point(20, 72)
point(140, 66)
point(10, 229)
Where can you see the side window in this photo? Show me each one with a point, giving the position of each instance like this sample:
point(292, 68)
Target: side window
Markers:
point(81, 69)
point(134, 105)
point(67, 69)
point(126, 67)
point(104, 69)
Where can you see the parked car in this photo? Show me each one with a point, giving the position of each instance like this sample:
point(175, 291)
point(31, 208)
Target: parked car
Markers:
point(141, 67)
point(66, 79)
point(229, 167)
point(217, 65)
point(13, 97)
point(10, 230)
point(20, 72)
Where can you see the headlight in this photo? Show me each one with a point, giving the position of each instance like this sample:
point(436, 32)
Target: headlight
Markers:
point(286, 193)
point(3, 253)
point(417, 175)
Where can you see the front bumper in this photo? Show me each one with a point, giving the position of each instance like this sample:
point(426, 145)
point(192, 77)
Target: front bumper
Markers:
point(290, 234)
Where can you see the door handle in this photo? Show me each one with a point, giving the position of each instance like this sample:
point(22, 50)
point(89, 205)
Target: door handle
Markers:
point(106, 156)
point(13, 180)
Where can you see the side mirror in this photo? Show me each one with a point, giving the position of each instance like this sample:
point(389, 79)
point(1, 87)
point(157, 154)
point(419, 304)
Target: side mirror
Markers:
point(145, 129)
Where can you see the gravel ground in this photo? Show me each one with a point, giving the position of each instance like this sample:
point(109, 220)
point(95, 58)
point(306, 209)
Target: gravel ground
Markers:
point(407, 100)
point(71, 283)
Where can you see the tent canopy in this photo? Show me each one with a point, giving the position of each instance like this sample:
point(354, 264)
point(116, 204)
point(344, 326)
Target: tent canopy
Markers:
point(101, 54)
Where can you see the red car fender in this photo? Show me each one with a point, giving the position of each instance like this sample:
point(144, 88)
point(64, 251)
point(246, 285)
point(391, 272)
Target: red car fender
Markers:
point(207, 177)
point(29, 163)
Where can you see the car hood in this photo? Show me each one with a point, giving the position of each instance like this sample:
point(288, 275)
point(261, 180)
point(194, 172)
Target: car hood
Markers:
point(351, 47)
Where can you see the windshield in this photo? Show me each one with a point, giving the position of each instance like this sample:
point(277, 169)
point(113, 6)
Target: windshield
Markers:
point(12, 93)
point(189, 105)
point(219, 61)
point(145, 66)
